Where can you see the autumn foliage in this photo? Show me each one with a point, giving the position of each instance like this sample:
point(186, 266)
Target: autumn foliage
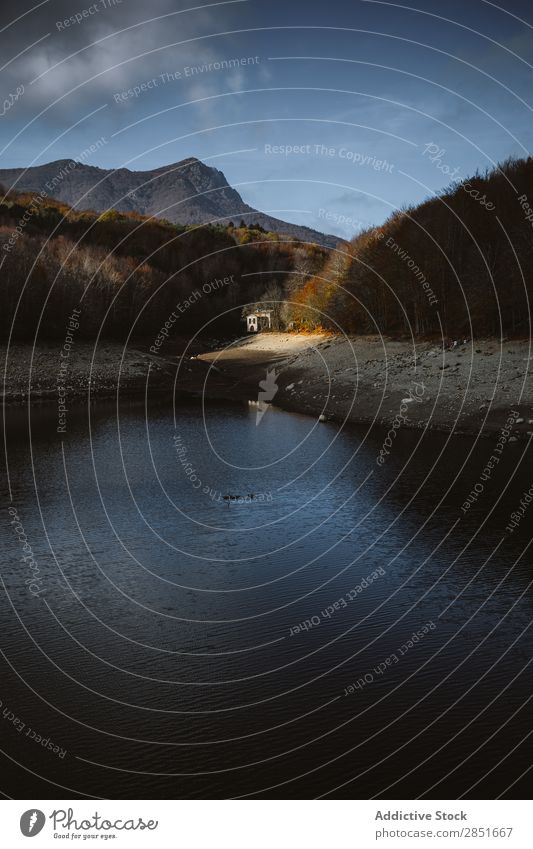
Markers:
point(128, 272)
point(460, 264)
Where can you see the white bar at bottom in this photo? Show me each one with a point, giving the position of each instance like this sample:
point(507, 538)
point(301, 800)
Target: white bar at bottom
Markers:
point(265, 824)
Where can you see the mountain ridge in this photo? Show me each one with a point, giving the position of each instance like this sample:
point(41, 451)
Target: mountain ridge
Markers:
point(183, 192)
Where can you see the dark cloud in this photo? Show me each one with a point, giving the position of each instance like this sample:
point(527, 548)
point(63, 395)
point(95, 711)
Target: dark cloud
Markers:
point(97, 48)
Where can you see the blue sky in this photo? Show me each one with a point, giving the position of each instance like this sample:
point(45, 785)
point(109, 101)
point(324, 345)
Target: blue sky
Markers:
point(320, 113)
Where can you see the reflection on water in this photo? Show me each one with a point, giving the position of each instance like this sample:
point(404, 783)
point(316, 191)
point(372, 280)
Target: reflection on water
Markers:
point(347, 630)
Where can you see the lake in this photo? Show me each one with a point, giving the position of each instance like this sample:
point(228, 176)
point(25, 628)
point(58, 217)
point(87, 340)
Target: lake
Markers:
point(349, 631)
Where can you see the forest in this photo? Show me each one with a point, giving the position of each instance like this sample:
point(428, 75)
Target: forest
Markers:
point(457, 265)
point(126, 273)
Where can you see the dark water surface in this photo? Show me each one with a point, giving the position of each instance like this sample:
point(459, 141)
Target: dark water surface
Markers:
point(164, 652)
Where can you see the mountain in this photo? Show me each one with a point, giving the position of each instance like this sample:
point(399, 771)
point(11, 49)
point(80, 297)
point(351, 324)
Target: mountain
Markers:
point(186, 192)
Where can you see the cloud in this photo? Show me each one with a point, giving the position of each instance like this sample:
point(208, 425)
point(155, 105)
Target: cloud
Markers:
point(90, 57)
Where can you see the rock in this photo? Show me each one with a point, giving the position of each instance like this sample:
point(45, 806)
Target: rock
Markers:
point(290, 386)
point(513, 439)
point(519, 421)
point(323, 418)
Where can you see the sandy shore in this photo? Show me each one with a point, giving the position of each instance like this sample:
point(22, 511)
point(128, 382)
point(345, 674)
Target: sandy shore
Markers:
point(364, 379)
point(469, 388)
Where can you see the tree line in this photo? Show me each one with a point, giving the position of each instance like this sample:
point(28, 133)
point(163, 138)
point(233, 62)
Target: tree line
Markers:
point(460, 264)
point(129, 272)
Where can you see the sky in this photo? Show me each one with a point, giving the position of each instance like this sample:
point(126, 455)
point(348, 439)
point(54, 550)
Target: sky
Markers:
point(329, 114)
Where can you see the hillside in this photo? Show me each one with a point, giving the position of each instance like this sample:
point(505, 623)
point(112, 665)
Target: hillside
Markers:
point(186, 192)
point(128, 274)
point(459, 265)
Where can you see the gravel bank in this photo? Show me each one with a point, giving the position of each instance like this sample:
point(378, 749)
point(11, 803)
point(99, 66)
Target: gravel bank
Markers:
point(471, 388)
point(467, 388)
point(37, 374)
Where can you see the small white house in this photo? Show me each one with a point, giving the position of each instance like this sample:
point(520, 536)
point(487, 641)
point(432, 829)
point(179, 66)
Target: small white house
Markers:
point(256, 321)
